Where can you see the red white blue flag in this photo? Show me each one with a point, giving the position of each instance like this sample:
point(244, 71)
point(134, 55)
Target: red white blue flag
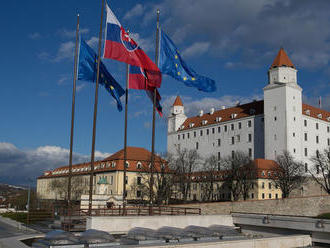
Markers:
point(119, 46)
point(139, 81)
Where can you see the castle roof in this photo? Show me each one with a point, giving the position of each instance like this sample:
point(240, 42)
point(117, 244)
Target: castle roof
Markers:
point(282, 59)
point(177, 101)
point(138, 161)
point(242, 111)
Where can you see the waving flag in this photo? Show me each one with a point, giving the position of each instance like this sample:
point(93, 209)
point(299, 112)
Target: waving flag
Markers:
point(87, 70)
point(137, 80)
point(119, 46)
point(171, 63)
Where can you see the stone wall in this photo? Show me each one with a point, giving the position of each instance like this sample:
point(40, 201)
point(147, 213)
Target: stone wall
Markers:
point(299, 206)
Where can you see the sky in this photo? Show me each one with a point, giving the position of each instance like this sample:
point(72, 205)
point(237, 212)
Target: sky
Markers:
point(232, 42)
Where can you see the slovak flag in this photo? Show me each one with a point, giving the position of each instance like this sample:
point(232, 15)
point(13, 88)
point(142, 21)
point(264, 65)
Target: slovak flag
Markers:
point(138, 81)
point(119, 46)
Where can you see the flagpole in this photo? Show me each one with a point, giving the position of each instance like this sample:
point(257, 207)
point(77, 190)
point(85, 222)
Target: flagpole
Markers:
point(125, 137)
point(154, 117)
point(72, 115)
point(95, 114)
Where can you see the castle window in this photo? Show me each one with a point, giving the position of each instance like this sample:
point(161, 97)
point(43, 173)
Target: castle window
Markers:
point(213, 130)
point(196, 145)
point(240, 125)
point(317, 139)
point(294, 150)
point(270, 196)
point(249, 123)
point(328, 129)
point(306, 167)
point(232, 154)
point(238, 138)
point(201, 133)
point(275, 118)
point(252, 196)
point(138, 193)
point(306, 152)
point(194, 134)
point(317, 126)
point(207, 131)
point(249, 137)
point(262, 185)
point(305, 136)
point(219, 142)
point(219, 129)
point(250, 152)
point(188, 135)
point(232, 127)
point(138, 180)
point(219, 156)
point(276, 196)
point(183, 136)
point(233, 140)
point(225, 128)
point(305, 123)
point(294, 134)
point(178, 136)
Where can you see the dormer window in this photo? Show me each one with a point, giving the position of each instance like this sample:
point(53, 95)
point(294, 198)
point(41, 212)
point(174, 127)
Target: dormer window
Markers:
point(252, 111)
point(127, 164)
point(233, 116)
point(139, 165)
point(308, 112)
point(192, 124)
point(319, 116)
point(204, 122)
point(182, 127)
point(218, 119)
point(113, 165)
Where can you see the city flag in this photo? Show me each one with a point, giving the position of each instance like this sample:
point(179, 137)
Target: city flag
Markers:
point(119, 46)
point(87, 70)
point(171, 63)
point(138, 80)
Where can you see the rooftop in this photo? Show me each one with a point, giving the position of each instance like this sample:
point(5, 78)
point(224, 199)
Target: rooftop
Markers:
point(282, 59)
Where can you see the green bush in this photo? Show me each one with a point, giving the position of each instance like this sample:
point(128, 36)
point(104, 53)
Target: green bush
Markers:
point(21, 217)
point(324, 216)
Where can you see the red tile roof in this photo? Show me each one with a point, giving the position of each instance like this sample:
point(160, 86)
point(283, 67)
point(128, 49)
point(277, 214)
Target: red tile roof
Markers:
point(282, 59)
point(177, 101)
point(244, 110)
point(315, 112)
point(241, 111)
point(114, 162)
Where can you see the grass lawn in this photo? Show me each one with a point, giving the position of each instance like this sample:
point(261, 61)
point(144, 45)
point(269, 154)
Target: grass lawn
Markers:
point(324, 216)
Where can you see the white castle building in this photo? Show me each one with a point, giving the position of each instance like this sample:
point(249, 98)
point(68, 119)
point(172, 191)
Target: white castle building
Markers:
point(263, 129)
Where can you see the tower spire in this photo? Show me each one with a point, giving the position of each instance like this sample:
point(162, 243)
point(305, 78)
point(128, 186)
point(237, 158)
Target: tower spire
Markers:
point(282, 59)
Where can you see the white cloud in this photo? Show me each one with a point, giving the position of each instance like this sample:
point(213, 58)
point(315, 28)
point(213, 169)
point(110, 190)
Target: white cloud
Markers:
point(69, 34)
point(196, 49)
point(93, 42)
point(19, 166)
point(146, 44)
point(65, 51)
point(79, 87)
point(136, 11)
point(35, 36)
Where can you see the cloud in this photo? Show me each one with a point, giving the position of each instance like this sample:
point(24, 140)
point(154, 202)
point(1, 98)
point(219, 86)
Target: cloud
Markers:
point(79, 87)
point(65, 51)
point(146, 44)
point(192, 106)
point(136, 11)
point(23, 167)
point(44, 56)
point(35, 36)
point(254, 30)
point(69, 34)
point(196, 49)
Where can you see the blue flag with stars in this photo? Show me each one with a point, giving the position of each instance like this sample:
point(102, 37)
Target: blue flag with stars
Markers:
point(87, 70)
point(171, 63)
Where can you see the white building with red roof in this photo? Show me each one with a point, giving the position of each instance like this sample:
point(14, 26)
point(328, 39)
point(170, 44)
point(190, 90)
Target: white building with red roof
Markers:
point(262, 129)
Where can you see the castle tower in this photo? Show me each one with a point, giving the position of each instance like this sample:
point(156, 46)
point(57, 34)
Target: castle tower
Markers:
point(177, 116)
point(282, 109)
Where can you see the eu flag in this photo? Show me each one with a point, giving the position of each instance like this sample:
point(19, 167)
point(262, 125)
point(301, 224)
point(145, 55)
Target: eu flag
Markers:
point(87, 70)
point(171, 63)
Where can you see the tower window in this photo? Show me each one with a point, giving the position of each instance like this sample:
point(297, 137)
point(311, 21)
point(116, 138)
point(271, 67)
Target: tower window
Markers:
point(305, 136)
point(225, 128)
point(294, 134)
point(317, 126)
point(317, 139)
point(201, 132)
point(196, 145)
point(240, 125)
point(305, 123)
point(249, 123)
point(195, 134)
point(306, 153)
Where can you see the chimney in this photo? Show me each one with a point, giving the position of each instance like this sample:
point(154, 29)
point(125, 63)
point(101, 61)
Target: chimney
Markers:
point(212, 111)
point(201, 112)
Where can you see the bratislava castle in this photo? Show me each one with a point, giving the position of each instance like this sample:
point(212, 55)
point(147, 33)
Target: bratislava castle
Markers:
point(262, 129)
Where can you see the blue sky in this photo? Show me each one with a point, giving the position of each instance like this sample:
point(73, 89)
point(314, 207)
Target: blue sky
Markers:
point(233, 42)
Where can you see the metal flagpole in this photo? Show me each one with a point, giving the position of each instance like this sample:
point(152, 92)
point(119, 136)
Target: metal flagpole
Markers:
point(72, 115)
point(153, 117)
point(95, 114)
point(125, 138)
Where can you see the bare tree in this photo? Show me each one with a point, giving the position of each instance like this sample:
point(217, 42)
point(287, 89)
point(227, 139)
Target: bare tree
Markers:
point(184, 162)
point(248, 175)
point(320, 171)
point(288, 174)
point(235, 175)
point(60, 187)
point(209, 167)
